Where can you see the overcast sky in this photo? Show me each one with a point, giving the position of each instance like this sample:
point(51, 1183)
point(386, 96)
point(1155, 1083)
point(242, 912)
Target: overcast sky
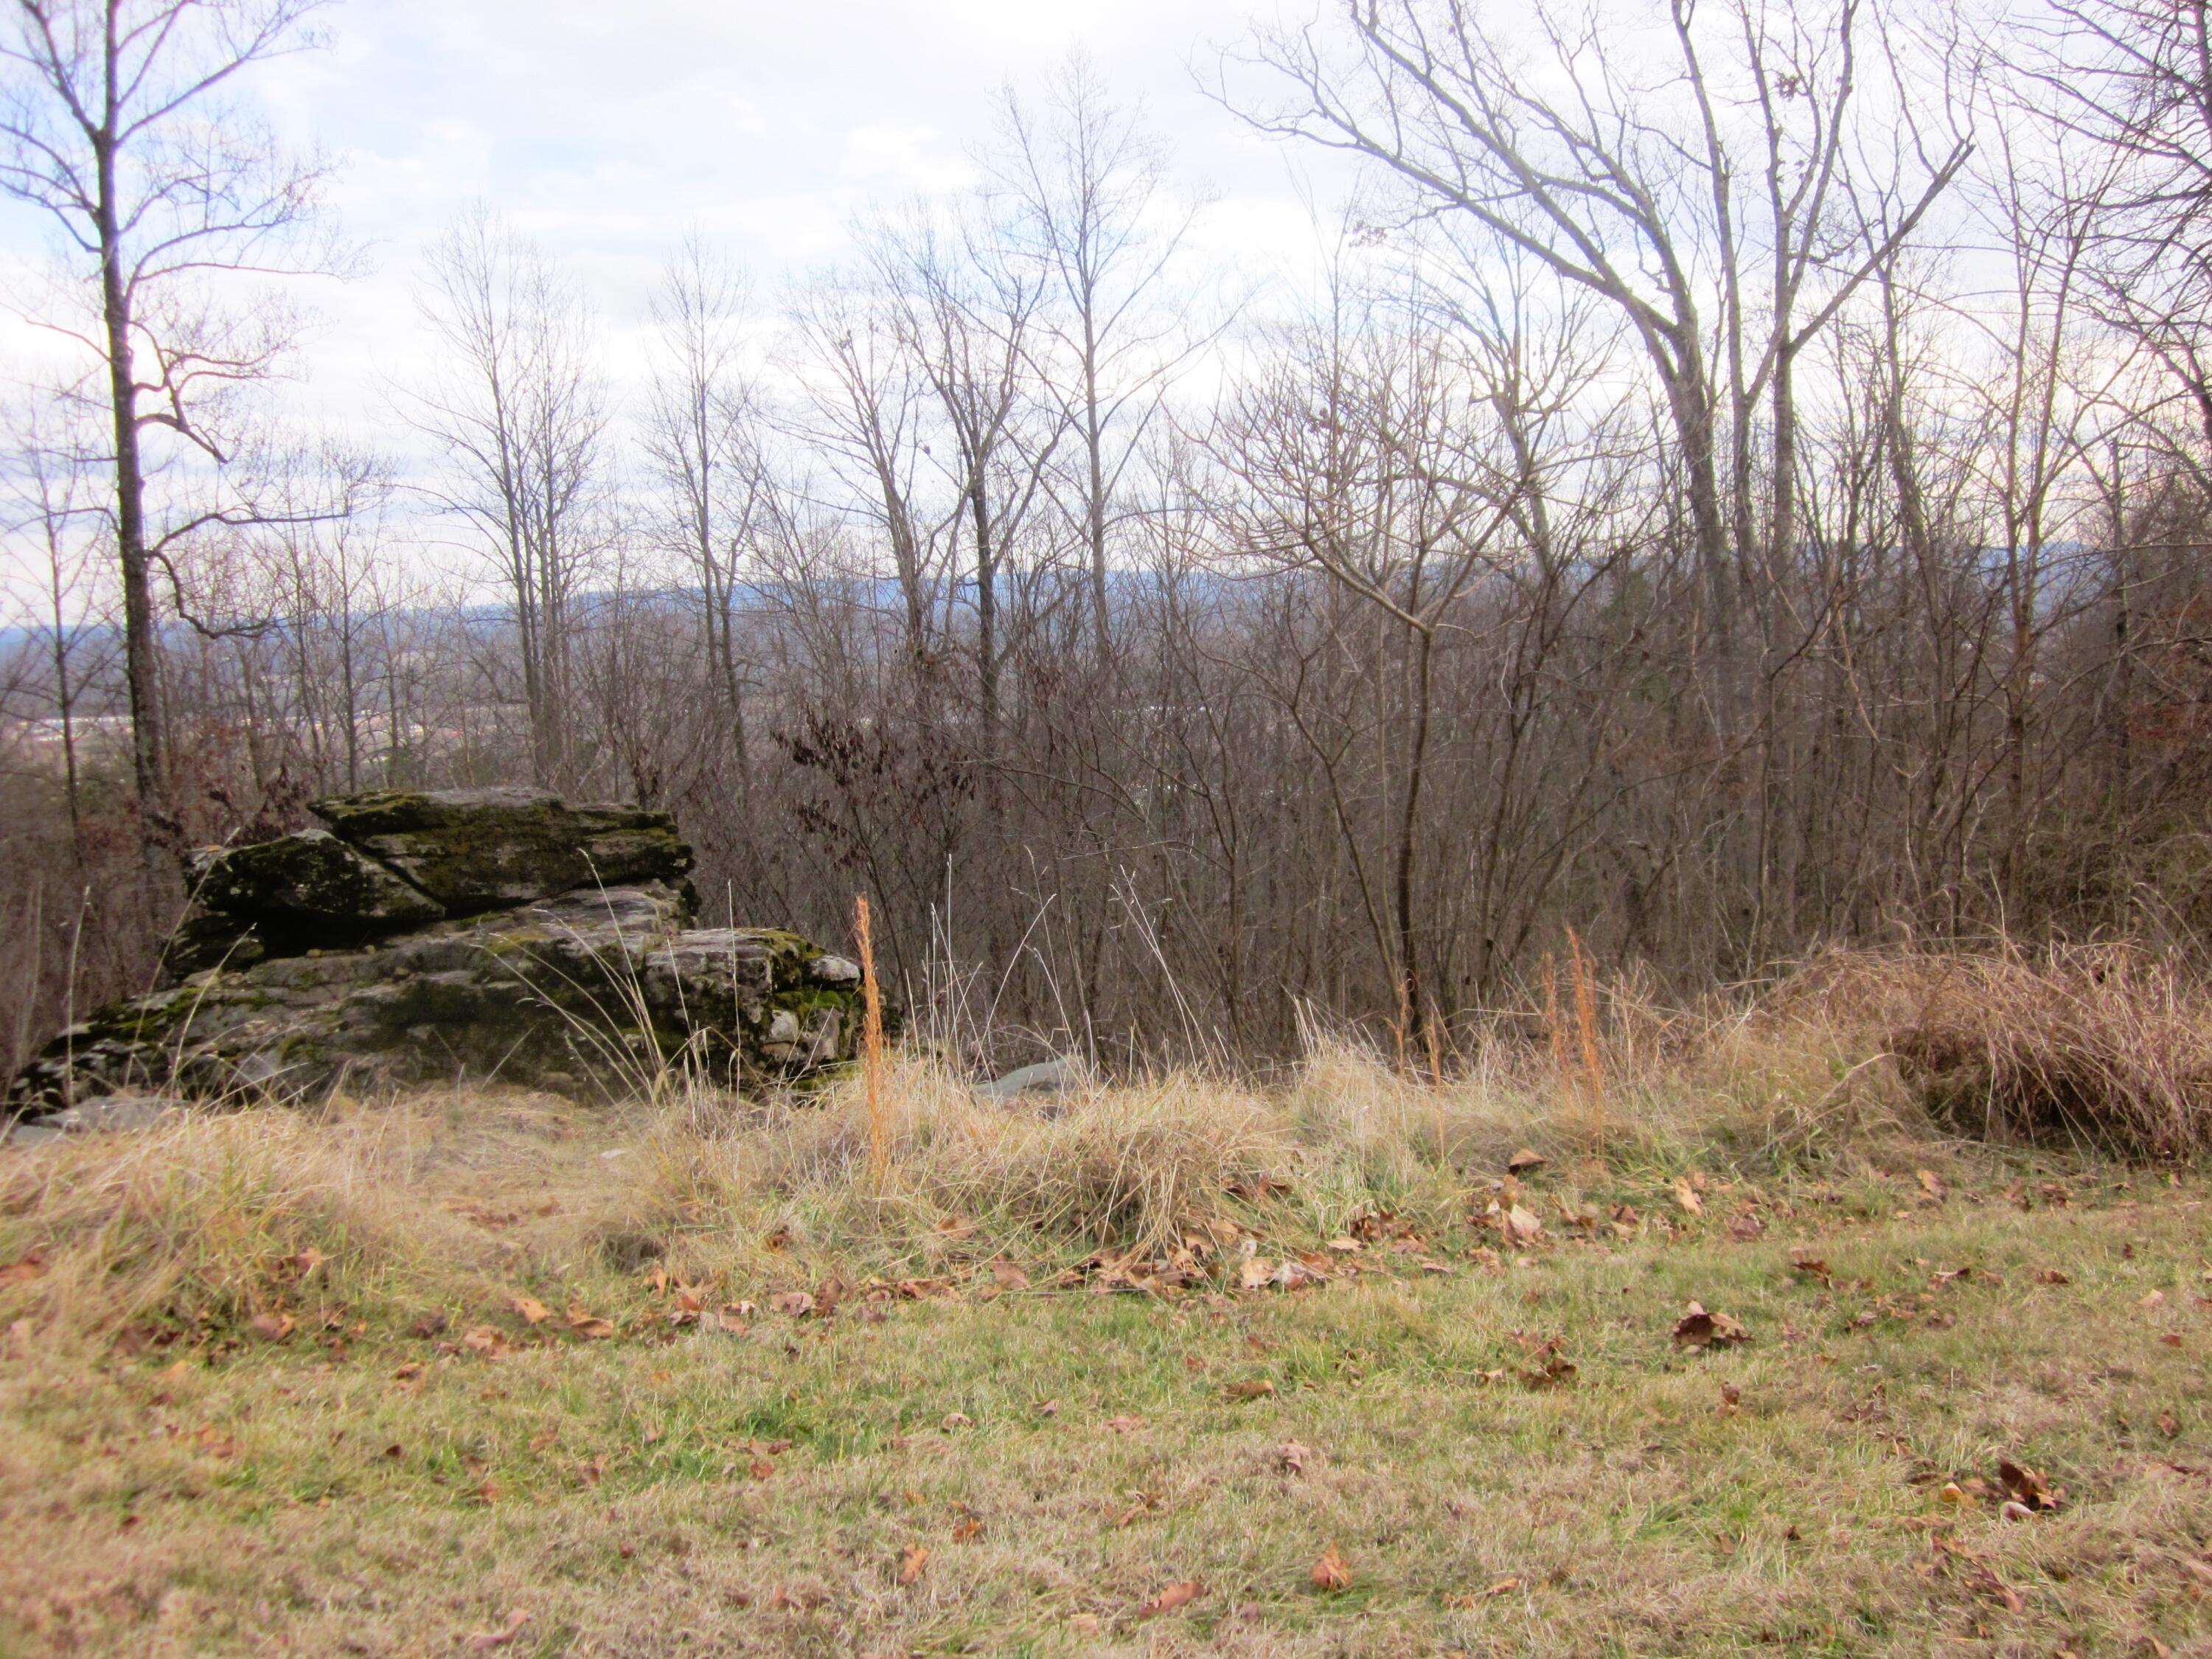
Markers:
point(607, 131)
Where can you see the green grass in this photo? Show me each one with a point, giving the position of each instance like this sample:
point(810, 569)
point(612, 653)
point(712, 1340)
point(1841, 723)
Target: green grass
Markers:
point(307, 1497)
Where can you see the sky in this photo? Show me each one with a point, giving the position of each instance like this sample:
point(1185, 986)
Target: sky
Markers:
point(608, 132)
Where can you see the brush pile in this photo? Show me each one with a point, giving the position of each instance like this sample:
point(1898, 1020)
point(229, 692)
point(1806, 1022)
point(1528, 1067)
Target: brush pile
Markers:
point(2104, 1046)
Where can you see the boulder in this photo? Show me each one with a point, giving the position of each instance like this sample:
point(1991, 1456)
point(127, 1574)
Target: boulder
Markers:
point(1046, 1077)
point(391, 949)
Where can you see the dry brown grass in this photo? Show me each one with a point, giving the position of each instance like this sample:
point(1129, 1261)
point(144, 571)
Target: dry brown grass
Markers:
point(456, 1201)
point(2104, 1045)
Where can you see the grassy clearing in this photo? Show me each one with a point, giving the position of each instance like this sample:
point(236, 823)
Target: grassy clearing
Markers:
point(273, 1385)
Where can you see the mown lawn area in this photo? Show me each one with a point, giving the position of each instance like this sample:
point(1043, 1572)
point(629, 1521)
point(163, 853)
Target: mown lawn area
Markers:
point(1512, 1455)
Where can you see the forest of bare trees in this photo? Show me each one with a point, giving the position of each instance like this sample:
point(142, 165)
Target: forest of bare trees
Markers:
point(1737, 482)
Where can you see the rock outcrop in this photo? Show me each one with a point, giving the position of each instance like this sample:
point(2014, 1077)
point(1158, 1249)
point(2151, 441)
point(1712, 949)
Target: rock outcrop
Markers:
point(429, 937)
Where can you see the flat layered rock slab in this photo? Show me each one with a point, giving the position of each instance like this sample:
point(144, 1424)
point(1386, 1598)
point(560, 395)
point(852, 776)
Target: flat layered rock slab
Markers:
point(482, 849)
point(311, 879)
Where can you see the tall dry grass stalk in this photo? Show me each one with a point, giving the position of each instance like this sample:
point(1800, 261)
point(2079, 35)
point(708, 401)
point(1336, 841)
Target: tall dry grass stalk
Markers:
point(880, 1138)
point(1585, 982)
point(1554, 1032)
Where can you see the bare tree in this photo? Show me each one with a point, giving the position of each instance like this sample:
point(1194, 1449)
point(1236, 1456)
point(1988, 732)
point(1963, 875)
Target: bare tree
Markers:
point(703, 441)
point(1698, 170)
point(519, 412)
point(120, 123)
point(1086, 180)
point(865, 407)
point(966, 316)
point(54, 508)
point(2128, 84)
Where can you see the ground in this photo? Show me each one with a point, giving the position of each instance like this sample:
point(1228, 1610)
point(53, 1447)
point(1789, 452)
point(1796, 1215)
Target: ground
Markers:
point(1442, 1440)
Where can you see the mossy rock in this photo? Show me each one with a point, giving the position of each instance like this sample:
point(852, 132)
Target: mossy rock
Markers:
point(598, 993)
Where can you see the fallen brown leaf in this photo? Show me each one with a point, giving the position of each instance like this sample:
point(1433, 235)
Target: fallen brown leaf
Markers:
point(533, 1309)
point(1332, 1571)
point(502, 1637)
point(271, 1326)
point(796, 1304)
point(1523, 1161)
point(913, 1559)
point(1522, 1226)
point(1696, 1328)
point(586, 1325)
point(1169, 1597)
point(1686, 1196)
point(2026, 1486)
point(1932, 1185)
point(1257, 1389)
